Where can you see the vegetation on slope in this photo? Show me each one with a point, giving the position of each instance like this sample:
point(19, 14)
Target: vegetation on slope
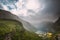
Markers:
point(13, 30)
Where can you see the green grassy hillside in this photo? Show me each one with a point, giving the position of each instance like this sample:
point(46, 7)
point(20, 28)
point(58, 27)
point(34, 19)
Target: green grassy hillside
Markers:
point(15, 31)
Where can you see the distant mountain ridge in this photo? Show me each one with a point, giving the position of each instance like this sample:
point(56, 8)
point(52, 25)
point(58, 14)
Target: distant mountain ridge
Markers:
point(57, 25)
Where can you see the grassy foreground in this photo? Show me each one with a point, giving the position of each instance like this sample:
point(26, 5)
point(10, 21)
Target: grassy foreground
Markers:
point(13, 30)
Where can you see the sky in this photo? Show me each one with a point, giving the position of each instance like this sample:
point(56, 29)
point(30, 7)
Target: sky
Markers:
point(36, 12)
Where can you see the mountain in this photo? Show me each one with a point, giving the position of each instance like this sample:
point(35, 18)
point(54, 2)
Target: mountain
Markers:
point(57, 25)
point(11, 28)
point(7, 15)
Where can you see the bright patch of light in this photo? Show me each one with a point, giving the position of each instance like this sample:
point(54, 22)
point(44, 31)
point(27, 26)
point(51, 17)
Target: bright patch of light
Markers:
point(32, 4)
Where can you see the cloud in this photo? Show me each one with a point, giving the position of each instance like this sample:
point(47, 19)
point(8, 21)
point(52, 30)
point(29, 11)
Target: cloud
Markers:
point(34, 13)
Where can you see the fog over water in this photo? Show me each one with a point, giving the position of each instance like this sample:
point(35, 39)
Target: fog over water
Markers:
point(41, 14)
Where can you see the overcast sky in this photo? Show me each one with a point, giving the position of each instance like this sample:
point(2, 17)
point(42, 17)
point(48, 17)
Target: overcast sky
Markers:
point(33, 11)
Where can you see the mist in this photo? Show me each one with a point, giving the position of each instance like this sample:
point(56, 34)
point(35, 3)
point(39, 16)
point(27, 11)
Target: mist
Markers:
point(39, 12)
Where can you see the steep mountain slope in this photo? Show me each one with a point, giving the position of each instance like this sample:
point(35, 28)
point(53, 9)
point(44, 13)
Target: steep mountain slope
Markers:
point(7, 15)
point(57, 25)
point(12, 29)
